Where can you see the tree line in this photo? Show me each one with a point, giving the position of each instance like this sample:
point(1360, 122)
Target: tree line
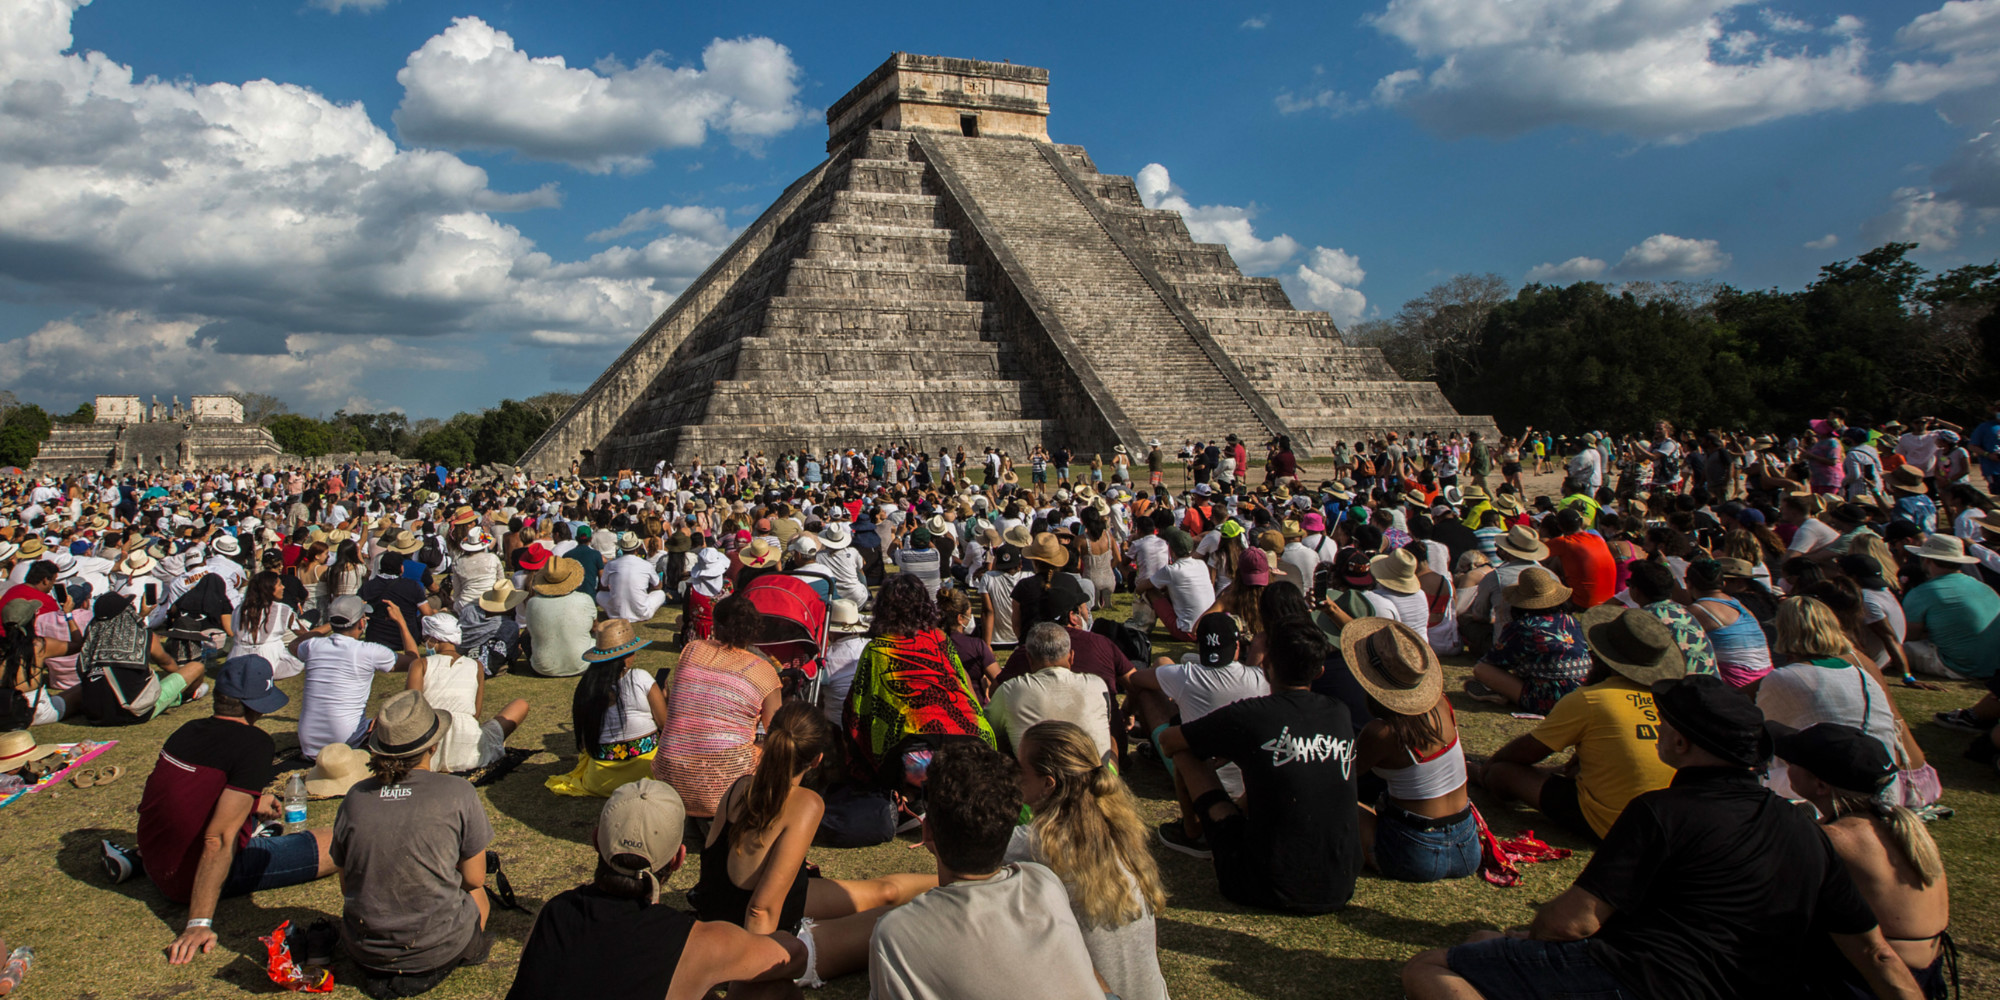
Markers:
point(1877, 334)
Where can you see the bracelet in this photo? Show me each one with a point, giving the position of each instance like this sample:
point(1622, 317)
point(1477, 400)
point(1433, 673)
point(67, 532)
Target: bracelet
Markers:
point(194, 922)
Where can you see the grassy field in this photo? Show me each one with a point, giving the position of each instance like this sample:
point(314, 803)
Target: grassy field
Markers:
point(96, 940)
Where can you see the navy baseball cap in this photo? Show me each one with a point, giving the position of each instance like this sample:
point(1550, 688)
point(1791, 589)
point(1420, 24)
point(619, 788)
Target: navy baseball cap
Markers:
point(248, 680)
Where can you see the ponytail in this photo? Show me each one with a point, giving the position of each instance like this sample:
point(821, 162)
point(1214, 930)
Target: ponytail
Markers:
point(1906, 829)
point(798, 735)
point(1089, 830)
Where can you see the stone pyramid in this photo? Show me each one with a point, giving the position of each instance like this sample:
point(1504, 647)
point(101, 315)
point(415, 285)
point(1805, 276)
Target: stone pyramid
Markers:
point(948, 276)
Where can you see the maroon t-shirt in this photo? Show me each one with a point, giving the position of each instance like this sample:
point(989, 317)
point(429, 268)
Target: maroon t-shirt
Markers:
point(977, 656)
point(1095, 655)
point(198, 762)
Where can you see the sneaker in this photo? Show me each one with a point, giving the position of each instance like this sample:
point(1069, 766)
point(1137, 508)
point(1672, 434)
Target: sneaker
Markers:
point(120, 864)
point(1963, 720)
point(1480, 692)
point(914, 821)
point(1175, 838)
point(320, 938)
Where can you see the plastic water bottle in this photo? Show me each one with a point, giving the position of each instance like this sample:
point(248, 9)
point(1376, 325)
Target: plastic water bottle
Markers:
point(18, 964)
point(295, 804)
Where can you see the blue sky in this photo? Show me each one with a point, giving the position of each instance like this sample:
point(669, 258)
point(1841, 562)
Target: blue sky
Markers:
point(407, 204)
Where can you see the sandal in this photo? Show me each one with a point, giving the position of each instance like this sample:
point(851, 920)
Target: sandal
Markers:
point(109, 775)
point(84, 778)
point(500, 889)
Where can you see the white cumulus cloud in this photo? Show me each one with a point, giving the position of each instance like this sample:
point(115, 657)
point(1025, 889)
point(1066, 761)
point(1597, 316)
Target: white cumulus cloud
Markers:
point(268, 222)
point(1572, 270)
point(472, 88)
point(1661, 255)
point(1917, 215)
point(1327, 281)
point(1226, 224)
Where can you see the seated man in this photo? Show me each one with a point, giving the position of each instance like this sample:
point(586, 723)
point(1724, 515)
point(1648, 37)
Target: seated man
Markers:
point(340, 669)
point(629, 588)
point(1177, 692)
point(1711, 887)
point(1610, 721)
point(1051, 690)
point(633, 947)
point(987, 925)
point(203, 801)
point(1295, 844)
point(1064, 602)
point(1181, 590)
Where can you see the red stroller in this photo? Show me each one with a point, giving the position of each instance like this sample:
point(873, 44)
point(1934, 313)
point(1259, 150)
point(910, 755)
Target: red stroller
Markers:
point(794, 634)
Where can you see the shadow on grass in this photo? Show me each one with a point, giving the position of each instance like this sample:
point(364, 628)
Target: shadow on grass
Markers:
point(1260, 967)
point(524, 796)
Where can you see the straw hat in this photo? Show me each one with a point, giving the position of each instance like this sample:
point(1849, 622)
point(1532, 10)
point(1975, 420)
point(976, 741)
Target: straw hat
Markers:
point(1395, 572)
point(19, 747)
point(502, 598)
point(759, 554)
point(1018, 536)
point(1633, 642)
point(226, 545)
point(679, 542)
point(629, 541)
point(1508, 505)
point(1909, 479)
point(561, 576)
point(407, 725)
point(1049, 549)
point(139, 563)
point(464, 515)
point(400, 541)
point(1739, 568)
point(1941, 548)
point(1536, 588)
point(615, 638)
point(1521, 542)
point(836, 536)
point(843, 615)
point(1393, 664)
point(337, 770)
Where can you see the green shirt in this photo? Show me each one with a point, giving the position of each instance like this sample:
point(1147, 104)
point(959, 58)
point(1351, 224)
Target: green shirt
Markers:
point(1962, 617)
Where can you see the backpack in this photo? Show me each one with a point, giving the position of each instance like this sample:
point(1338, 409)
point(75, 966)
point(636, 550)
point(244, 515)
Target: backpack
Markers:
point(15, 712)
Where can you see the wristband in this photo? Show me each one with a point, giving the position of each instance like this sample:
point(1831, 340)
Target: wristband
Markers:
point(204, 922)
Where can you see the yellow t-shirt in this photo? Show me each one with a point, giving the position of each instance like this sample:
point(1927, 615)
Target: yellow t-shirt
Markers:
point(1614, 729)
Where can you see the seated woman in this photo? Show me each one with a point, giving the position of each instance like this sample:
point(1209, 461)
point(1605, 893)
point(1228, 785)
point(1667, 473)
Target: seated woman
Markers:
point(1087, 830)
point(265, 625)
point(1823, 680)
point(1894, 862)
point(753, 863)
point(720, 694)
point(615, 712)
point(411, 846)
point(115, 668)
point(1742, 655)
point(910, 694)
point(1540, 654)
point(456, 685)
point(1421, 829)
point(30, 638)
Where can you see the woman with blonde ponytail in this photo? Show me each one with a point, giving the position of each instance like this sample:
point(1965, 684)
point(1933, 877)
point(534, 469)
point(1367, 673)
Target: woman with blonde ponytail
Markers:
point(1889, 854)
point(753, 862)
point(1088, 832)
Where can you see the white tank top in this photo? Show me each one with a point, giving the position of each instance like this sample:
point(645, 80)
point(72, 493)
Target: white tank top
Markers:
point(1427, 779)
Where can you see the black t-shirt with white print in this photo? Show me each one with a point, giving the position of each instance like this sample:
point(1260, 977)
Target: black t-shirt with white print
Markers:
point(1296, 750)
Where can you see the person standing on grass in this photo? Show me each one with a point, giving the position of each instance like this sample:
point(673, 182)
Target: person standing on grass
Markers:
point(1712, 886)
point(205, 799)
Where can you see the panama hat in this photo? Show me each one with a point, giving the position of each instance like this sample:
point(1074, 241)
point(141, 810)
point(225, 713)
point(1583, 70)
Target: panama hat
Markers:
point(400, 541)
point(1909, 479)
point(139, 563)
point(19, 747)
point(1395, 572)
point(615, 638)
point(1395, 665)
point(502, 598)
point(759, 554)
point(476, 540)
point(1941, 548)
point(1047, 548)
point(843, 615)
point(1521, 542)
point(226, 545)
point(1536, 588)
point(407, 725)
point(836, 536)
point(338, 769)
point(1018, 536)
point(1633, 642)
point(561, 576)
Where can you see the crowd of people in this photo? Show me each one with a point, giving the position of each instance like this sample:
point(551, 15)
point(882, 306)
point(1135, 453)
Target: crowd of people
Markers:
point(1707, 626)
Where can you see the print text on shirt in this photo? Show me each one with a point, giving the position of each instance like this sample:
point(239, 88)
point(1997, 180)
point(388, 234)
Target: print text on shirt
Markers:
point(1286, 748)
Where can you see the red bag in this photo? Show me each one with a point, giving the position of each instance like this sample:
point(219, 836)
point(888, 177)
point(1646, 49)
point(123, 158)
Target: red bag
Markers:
point(289, 974)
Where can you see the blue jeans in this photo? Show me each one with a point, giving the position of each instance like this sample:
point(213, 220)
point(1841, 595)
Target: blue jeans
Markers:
point(1412, 848)
point(273, 863)
point(1514, 969)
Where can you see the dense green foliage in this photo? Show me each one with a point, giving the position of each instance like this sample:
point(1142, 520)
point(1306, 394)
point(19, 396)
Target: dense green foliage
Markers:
point(500, 434)
point(23, 428)
point(1877, 334)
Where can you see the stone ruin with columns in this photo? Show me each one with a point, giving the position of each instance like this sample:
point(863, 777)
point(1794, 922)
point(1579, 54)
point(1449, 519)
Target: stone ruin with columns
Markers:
point(949, 276)
point(131, 436)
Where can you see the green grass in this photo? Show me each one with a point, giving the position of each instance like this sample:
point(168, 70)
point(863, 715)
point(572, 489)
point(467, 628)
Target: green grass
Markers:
point(95, 940)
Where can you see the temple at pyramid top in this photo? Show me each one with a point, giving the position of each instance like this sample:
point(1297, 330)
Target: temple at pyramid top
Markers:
point(948, 277)
point(913, 93)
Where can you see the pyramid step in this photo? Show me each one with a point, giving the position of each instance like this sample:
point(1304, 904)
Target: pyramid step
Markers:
point(791, 357)
point(836, 277)
point(883, 209)
point(885, 176)
point(908, 243)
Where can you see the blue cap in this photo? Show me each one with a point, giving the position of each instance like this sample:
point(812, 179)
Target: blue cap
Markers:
point(248, 680)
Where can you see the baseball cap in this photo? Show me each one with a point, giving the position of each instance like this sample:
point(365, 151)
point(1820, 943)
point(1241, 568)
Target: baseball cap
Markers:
point(348, 611)
point(1215, 639)
point(643, 821)
point(1841, 756)
point(248, 680)
point(1062, 597)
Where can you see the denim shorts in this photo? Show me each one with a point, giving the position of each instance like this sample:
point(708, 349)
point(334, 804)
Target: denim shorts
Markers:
point(1412, 848)
point(1515, 969)
point(273, 863)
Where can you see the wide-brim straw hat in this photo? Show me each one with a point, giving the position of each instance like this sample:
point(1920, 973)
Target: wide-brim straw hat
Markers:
point(464, 515)
point(679, 542)
point(407, 725)
point(561, 576)
point(836, 536)
point(1507, 505)
point(615, 638)
point(843, 615)
point(1119, 449)
point(1941, 548)
point(1395, 572)
point(1018, 536)
point(759, 554)
point(502, 598)
point(401, 541)
point(1633, 642)
point(1047, 548)
point(1909, 479)
point(338, 768)
point(1394, 664)
point(1536, 588)
point(1521, 542)
point(19, 747)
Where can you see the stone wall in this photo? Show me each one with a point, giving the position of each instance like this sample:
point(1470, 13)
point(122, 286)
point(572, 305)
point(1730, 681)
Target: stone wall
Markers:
point(120, 410)
point(156, 445)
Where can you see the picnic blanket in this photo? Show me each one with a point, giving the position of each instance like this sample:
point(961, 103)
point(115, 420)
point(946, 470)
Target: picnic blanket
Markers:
point(91, 751)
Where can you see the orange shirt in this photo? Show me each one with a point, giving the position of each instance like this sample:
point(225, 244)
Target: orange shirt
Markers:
point(1587, 567)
